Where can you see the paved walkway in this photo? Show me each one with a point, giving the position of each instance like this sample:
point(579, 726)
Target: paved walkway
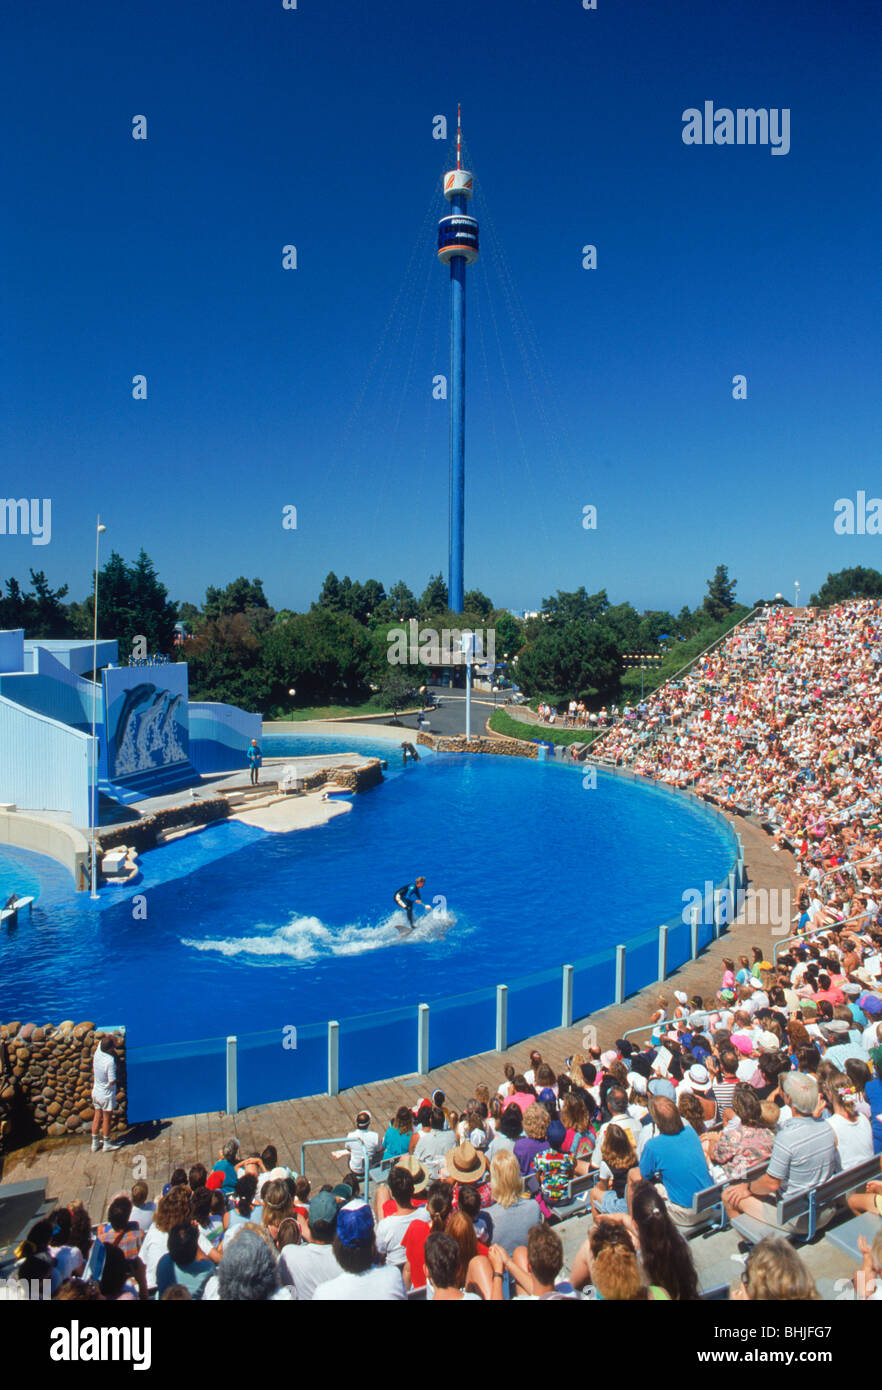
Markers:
point(153, 1151)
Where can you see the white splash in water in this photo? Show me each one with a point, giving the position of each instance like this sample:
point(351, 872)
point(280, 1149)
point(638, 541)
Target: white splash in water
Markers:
point(307, 938)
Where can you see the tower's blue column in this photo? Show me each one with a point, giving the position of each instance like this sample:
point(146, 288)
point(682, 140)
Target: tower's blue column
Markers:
point(457, 424)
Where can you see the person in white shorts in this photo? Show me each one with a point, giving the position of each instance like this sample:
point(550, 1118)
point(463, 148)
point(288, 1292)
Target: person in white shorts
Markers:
point(103, 1094)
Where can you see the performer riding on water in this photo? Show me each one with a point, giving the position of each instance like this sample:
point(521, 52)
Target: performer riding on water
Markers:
point(410, 894)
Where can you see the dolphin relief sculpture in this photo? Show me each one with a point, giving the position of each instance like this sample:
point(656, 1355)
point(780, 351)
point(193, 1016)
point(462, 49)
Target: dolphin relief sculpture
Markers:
point(147, 731)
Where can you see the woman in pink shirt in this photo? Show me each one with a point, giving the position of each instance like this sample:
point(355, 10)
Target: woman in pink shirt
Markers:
point(523, 1096)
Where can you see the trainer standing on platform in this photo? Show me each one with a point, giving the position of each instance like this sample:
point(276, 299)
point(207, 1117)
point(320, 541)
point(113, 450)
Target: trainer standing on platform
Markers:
point(255, 758)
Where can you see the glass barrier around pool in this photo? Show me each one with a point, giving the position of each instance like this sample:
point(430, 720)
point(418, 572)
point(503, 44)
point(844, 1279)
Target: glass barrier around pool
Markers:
point(176, 1079)
point(281, 1063)
point(287, 1063)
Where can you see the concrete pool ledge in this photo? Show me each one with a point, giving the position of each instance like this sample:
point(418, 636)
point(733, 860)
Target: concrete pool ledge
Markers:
point(294, 813)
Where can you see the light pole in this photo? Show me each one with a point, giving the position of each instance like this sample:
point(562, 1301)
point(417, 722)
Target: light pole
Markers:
point(468, 647)
point(796, 587)
point(94, 787)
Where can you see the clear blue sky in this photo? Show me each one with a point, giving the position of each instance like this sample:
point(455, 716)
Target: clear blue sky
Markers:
point(313, 387)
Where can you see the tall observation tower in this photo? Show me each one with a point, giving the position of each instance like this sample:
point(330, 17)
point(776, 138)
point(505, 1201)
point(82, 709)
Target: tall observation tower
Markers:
point(457, 247)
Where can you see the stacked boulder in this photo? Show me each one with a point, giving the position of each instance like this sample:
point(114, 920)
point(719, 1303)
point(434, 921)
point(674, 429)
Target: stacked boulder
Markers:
point(46, 1080)
point(498, 744)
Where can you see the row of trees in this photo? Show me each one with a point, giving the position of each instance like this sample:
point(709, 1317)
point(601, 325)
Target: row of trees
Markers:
point(243, 651)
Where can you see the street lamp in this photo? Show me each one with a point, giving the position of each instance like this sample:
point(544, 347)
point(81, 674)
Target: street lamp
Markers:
point(468, 649)
point(99, 528)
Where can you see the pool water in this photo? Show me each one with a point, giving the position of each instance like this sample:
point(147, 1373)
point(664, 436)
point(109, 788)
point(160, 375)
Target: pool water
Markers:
point(247, 931)
point(308, 745)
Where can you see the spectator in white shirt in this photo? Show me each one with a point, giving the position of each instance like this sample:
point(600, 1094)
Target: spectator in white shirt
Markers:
point(305, 1266)
point(361, 1141)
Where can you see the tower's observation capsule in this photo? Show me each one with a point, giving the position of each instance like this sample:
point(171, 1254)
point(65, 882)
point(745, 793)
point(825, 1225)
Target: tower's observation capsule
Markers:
point(458, 233)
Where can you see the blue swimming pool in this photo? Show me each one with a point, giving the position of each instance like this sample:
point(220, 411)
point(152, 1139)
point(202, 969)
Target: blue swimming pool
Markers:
point(247, 931)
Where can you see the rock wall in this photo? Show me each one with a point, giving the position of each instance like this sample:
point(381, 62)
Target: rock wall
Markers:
point(496, 743)
point(359, 779)
point(143, 833)
point(46, 1080)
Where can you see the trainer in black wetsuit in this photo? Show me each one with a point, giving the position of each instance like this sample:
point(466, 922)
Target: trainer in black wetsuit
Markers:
point(408, 895)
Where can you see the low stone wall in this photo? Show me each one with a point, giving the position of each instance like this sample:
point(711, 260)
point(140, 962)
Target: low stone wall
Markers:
point(46, 1080)
point(360, 779)
point(498, 743)
point(143, 834)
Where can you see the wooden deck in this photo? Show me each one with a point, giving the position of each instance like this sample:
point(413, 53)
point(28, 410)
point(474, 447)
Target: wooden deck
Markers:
point(152, 1152)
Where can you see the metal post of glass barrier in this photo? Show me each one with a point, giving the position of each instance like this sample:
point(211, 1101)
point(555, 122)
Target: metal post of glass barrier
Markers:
point(423, 1040)
point(620, 974)
point(232, 1077)
point(693, 929)
point(333, 1058)
point(566, 1007)
point(501, 1017)
point(662, 952)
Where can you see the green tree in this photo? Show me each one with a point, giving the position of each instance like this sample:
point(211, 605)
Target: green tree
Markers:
point(374, 598)
point(577, 659)
point(399, 605)
point(132, 602)
point(330, 594)
point(225, 660)
point(434, 598)
point(622, 622)
point(565, 607)
point(240, 596)
point(323, 655)
point(41, 612)
point(858, 582)
point(720, 597)
point(509, 634)
point(397, 690)
point(477, 604)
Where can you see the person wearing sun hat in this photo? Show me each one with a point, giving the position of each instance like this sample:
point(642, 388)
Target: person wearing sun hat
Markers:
point(355, 1250)
point(465, 1164)
point(384, 1200)
point(682, 999)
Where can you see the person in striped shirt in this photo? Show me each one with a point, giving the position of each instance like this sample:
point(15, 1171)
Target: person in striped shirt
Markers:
point(726, 1078)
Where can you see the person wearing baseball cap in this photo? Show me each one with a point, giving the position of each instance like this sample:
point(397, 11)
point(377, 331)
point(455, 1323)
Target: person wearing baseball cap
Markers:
point(355, 1250)
point(305, 1266)
point(363, 1144)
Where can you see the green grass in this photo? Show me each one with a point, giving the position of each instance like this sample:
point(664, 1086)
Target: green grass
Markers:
point(337, 711)
point(502, 723)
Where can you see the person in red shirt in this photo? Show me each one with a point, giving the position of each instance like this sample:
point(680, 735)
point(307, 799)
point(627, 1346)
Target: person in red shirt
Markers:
point(438, 1209)
point(384, 1202)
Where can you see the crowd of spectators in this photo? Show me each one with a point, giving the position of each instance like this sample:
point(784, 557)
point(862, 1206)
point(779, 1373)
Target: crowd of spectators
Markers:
point(786, 1074)
point(782, 722)
point(781, 1070)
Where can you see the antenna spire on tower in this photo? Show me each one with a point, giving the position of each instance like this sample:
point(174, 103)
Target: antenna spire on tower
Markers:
point(459, 135)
